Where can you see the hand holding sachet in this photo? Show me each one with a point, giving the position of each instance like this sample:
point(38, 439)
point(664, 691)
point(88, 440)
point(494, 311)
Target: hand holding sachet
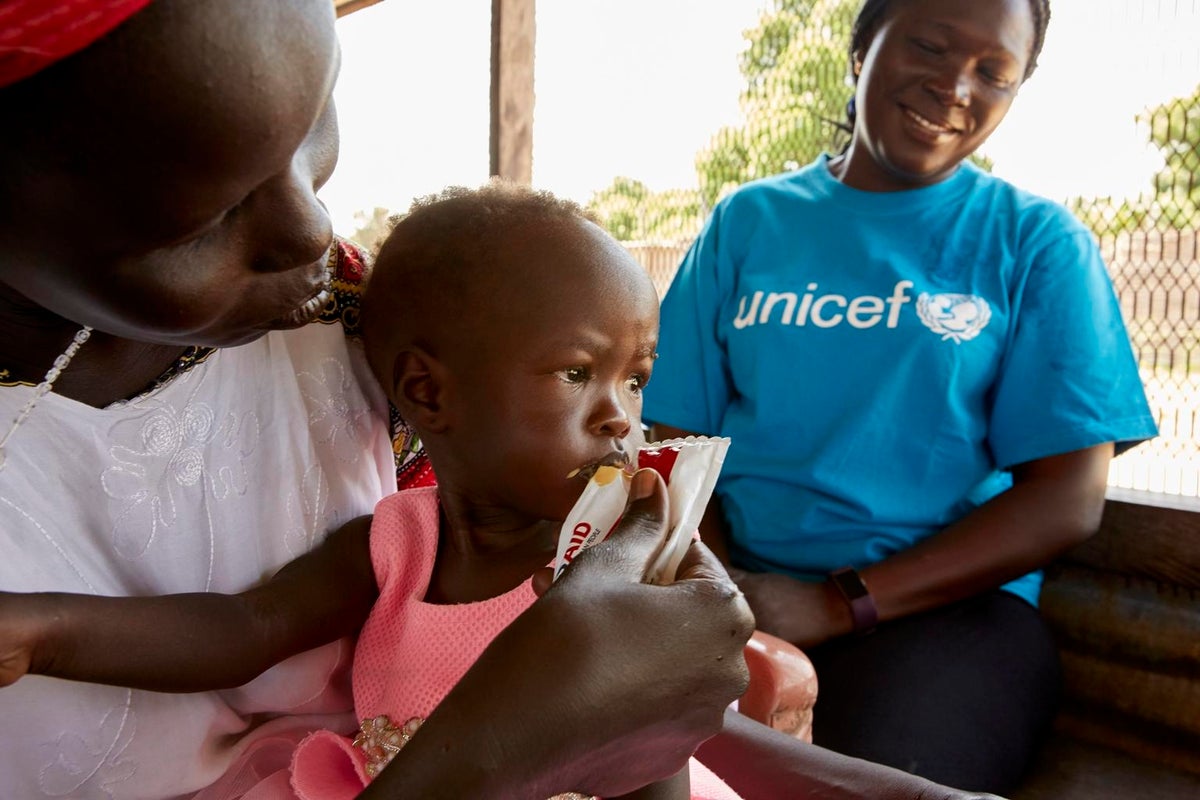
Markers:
point(689, 467)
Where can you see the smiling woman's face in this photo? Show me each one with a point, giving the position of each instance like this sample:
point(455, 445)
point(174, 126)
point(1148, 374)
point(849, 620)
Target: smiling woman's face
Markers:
point(934, 81)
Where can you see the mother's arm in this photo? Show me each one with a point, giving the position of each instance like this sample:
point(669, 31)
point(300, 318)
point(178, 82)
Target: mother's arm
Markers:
point(761, 764)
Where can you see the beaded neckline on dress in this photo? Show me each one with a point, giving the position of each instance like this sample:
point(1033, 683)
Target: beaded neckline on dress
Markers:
point(43, 388)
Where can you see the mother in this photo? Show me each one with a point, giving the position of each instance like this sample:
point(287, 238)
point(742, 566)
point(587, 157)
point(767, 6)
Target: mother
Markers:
point(158, 170)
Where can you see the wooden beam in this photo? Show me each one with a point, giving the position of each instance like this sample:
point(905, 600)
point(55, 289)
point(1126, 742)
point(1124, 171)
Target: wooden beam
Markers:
point(345, 7)
point(511, 141)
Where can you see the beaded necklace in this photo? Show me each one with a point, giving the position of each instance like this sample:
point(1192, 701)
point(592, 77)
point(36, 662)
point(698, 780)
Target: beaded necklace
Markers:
point(44, 387)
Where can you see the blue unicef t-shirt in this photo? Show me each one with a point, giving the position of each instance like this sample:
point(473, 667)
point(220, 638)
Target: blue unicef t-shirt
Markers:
point(879, 360)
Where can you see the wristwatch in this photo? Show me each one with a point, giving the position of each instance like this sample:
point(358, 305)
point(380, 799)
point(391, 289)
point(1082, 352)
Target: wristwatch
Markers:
point(852, 589)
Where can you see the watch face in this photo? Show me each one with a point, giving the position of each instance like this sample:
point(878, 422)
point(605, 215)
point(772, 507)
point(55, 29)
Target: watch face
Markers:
point(850, 584)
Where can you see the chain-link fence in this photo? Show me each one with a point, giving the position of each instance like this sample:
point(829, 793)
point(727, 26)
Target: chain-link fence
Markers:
point(794, 66)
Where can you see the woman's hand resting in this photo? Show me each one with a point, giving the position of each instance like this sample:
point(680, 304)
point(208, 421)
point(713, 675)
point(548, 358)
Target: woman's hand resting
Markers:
point(800, 612)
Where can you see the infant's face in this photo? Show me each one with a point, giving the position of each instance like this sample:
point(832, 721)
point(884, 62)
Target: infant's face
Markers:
point(556, 386)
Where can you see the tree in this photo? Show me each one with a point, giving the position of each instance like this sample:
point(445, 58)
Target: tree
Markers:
point(1175, 131)
point(796, 68)
point(619, 207)
point(1173, 201)
point(631, 212)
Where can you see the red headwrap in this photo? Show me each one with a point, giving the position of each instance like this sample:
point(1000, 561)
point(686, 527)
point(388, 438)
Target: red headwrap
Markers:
point(36, 33)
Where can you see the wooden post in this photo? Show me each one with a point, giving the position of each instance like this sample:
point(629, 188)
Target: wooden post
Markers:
point(345, 7)
point(511, 141)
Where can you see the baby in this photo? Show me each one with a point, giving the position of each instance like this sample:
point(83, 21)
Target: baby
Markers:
point(515, 336)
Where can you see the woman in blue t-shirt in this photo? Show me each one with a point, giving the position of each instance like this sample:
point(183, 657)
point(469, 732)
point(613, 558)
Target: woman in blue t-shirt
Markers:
point(925, 374)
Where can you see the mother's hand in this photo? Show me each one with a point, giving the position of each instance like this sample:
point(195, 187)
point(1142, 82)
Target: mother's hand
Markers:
point(605, 684)
point(801, 612)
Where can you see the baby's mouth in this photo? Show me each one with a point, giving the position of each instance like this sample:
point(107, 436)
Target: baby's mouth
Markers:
point(618, 459)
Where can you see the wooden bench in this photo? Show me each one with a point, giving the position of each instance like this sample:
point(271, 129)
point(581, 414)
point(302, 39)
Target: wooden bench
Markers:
point(1125, 608)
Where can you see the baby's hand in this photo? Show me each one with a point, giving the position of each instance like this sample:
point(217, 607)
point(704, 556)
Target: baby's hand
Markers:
point(18, 637)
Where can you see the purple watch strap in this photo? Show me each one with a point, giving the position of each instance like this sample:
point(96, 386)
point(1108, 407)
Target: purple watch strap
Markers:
point(852, 589)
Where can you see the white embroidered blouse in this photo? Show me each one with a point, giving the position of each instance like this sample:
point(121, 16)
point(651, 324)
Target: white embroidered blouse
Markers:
point(208, 483)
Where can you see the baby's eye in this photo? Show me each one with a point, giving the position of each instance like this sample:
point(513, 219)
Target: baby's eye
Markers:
point(637, 382)
point(574, 375)
point(927, 46)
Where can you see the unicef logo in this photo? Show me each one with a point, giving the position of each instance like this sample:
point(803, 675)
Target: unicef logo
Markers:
point(959, 317)
point(954, 316)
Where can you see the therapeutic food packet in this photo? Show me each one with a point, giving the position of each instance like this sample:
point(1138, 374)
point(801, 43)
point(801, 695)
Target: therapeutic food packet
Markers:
point(689, 467)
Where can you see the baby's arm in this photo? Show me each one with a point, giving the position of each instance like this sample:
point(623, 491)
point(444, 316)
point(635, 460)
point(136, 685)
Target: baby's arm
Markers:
point(192, 642)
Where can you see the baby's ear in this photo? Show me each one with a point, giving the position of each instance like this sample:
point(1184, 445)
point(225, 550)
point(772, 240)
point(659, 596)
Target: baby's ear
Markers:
point(419, 390)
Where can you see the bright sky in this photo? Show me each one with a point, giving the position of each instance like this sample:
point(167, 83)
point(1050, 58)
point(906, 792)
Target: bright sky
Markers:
point(636, 88)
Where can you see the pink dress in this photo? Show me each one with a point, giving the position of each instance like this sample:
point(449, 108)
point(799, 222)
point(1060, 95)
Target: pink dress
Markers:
point(410, 654)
